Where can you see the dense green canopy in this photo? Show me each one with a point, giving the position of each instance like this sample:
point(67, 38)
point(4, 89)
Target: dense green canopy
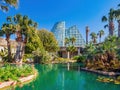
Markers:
point(49, 42)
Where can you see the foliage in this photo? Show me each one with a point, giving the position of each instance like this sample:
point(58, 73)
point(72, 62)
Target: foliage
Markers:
point(67, 40)
point(72, 40)
point(49, 42)
point(100, 34)
point(41, 56)
point(5, 4)
point(11, 72)
point(93, 37)
point(7, 30)
point(33, 43)
point(109, 80)
point(25, 29)
point(71, 49)
point(79, 58)
point(4, 55)
point(61, 60)
point(102, 56)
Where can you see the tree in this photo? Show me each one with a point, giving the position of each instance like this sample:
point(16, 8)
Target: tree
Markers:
point(70, 50)
point(33, 43)
point(48, 39)
point(117, 17)
point(8, 29)
point(5, 4)
point(72, 40)
point(23, 26)
point(100, 34)
point(87, 31)
point(94, 37)
point(67, 40)
point(110, 19)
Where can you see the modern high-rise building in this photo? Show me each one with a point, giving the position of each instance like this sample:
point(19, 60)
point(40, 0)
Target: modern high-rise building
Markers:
point(61, 32)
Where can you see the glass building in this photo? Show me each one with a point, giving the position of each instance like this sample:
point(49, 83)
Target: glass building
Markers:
point(73, 31)
point(61, 33)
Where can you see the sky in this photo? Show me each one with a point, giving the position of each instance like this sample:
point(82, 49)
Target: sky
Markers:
point(74, 12)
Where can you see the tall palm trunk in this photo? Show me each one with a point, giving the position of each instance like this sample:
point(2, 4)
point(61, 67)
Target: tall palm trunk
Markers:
point(87, 30)
point(86, 37)
point(100, 38)
point(111, 28)
point(94, 40)
point(68, 55)
point(23, 47)
point(9, 47)
point(118, 28)
point(18, 55)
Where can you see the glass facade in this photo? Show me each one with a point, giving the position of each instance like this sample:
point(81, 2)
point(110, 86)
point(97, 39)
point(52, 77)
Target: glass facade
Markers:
point(61, 33)
point(73, 31)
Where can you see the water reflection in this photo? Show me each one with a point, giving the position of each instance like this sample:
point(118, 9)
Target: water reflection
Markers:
point(66, 77)
point(68, 66)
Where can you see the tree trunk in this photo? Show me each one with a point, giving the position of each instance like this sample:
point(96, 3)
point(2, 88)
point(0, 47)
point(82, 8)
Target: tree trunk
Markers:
point(86, 37)
point(87, 30)
point(94, 40)
point(68, 55)
point(111, 28)
point(18, 55)
point(100, 39)
point(23, 48)
point(119, 28)
point(9, 47)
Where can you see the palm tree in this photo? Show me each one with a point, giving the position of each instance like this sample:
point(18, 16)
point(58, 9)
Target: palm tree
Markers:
point(5, 4)
point(117, 17)
point(94, 37)
point(70, 50)
point(87, 31)
point(100, 34)
point(110, 19)
point(8, 30)
point(67, 40)
point(73, 39)
point(23, 26)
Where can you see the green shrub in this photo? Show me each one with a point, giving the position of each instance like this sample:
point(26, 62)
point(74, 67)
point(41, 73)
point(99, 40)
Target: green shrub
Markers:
point(79, 58)
point(10, 72)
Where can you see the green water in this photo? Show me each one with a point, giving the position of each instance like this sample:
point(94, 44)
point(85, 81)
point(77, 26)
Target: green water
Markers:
point(63, 77)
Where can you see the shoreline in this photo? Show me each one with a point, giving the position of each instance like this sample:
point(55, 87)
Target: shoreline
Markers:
point(100, 72)
point(20, 80)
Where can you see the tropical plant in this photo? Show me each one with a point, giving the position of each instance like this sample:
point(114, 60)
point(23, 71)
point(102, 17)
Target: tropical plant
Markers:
point(5, 4)
point(10, 72)
point(117, 17)
point(70, 50)
point(94, 37)
point(72, 40)
point(23, 26)
point(67, 40)
point(79, 58)
point(8, 29)
point(110, 19)
point(100, 34)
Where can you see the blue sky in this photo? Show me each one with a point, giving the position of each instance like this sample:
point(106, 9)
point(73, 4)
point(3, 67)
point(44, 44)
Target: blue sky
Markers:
point(74, 12)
